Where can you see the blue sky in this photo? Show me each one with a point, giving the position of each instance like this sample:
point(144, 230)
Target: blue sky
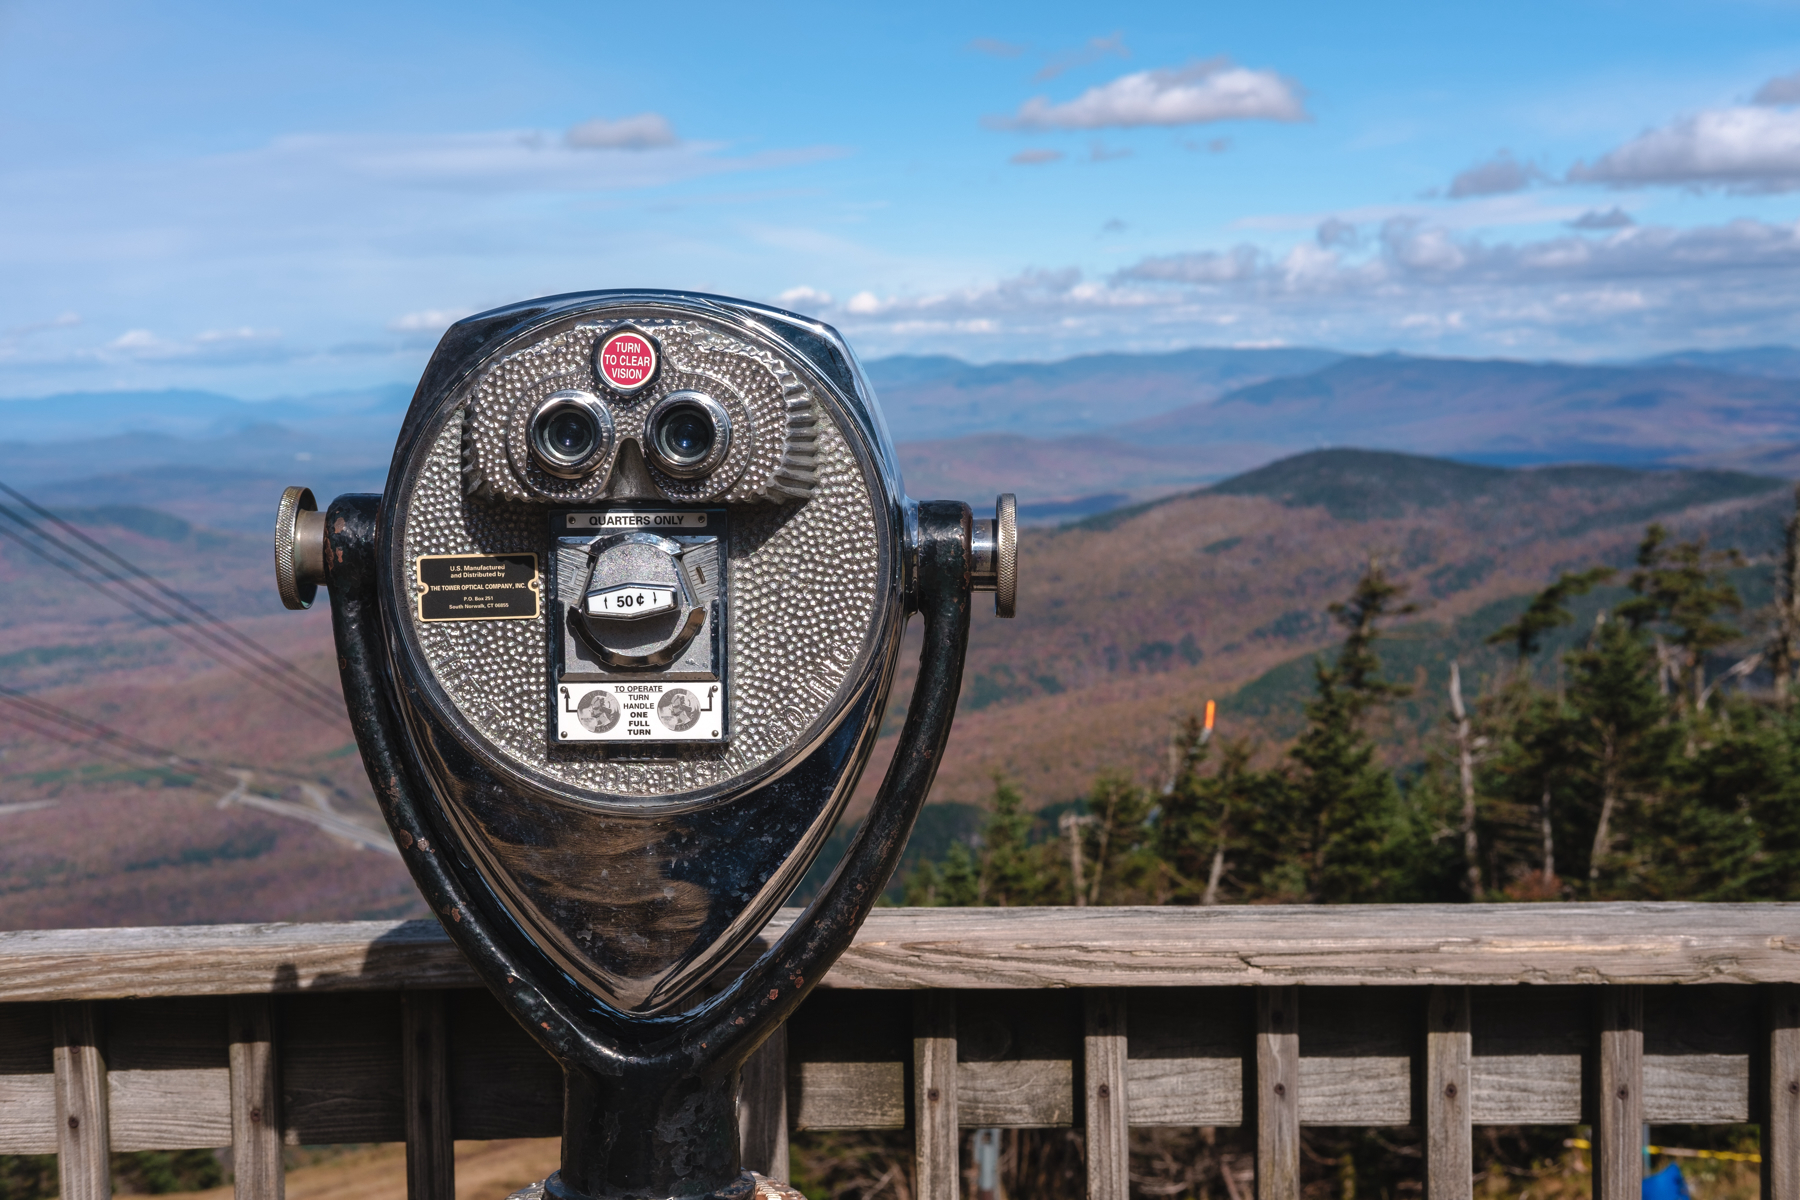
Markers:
point(284, 198)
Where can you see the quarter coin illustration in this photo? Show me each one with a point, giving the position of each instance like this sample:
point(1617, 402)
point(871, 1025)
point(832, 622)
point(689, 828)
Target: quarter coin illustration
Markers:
point(598, 712)
point(678, 709)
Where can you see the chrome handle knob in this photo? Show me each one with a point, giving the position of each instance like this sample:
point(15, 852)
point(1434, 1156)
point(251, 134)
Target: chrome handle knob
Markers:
point(299, 548)
point(994, 555)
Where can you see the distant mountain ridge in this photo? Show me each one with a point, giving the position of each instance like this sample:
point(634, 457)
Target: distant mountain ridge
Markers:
point(186, 413)
point(1774, 362)
point(1499, 411)
point(939, 397)
point(1072, 438)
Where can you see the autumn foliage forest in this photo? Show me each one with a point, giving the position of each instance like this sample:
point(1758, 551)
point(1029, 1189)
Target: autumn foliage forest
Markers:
point(1642, 763)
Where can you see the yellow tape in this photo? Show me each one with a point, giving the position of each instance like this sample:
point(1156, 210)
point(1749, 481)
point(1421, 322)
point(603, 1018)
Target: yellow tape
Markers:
point(1674, 1151)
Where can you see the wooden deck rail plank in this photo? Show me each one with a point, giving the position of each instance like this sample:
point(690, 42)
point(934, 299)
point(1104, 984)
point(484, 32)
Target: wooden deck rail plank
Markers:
point(936, 1142)
point(27, 1080)
point(1185, 1063)
point(1781, 1101)
point(1277, 1054)
point(762, 1108)
point(1449, 1092)
point(1001, 948)
point(1619, 1099)
point(425, 1079)
point(341, 1071)
point(256, 1166)
point(502, 1084)
point(1106, 1097)
point(83, 1138)
point(1356, 1056)
point(168, 1074)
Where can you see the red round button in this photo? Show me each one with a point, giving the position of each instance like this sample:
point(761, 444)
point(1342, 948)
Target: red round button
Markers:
point(626, 361)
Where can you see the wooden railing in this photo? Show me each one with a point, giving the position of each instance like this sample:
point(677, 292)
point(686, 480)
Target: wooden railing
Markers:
point(1100, 1019)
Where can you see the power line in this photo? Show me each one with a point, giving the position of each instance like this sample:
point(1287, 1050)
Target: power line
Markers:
point(240, 653)
point(49, 721)
point(248, 643)
point(187, 636)
point(268, 660)
point(61, 720)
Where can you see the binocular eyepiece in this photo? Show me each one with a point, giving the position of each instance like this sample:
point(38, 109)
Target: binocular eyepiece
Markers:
point(616, 640)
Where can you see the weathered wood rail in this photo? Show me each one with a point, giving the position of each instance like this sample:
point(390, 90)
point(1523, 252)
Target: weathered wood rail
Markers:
point(1440, 1017)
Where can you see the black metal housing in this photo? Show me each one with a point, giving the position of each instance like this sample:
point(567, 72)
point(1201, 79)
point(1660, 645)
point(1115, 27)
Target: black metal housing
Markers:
point(649, 1100)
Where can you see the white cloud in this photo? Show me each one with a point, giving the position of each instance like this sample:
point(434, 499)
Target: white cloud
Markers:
point(1784, 89)
point(1497, 176)
point(1202, 266)
point(136, 340)
point(66, 320)
point(1412, 254)
point(1092, 52)
point(864, 304)
point(804, 297)
point(1215, 90)
point(645, 131)
point(1613, 218)
point(1746, 149)
point(494, 162)
point(430, 320)
point(1035, 157)
point(210, 346)
point(997, 48)
point(1484, 212)
point(1413, 283)
point(1334, 231)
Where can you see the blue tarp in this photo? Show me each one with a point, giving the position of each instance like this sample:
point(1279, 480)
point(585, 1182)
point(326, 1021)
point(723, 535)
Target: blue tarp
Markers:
point(1666, 1184)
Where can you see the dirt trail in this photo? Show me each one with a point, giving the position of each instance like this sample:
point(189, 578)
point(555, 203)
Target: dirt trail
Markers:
point(484, 1171)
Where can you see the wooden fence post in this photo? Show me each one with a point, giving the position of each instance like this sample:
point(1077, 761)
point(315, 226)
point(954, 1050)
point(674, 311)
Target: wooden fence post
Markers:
point(1449, 1131)
point(936, 1139)
point(1781, 1103)
point(762, 1108)
point(425, 1074)
point(83, 1136)
point(1108, 1122)
point(256, 1168)
point(1619, 1099)
point(1277, 1113)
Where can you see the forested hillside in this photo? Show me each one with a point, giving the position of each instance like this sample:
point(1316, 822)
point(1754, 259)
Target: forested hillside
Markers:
point(1629, 761)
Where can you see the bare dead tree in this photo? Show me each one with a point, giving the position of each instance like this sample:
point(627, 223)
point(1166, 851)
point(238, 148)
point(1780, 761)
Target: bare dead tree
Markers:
point(1070, 825)
point(1465, 757)
point(1549, 837)
point(1784, 646)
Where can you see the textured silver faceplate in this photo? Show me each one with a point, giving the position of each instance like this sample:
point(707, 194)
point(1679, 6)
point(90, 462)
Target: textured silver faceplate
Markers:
point(803, 594)
point(772, 416)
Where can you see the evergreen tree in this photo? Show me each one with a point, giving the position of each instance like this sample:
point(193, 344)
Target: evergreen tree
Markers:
point(1548, 611)
point(1350, 806)
point(1684, 588)
point(1010, 873)
point(1705, 837)
point(1124, 867)
point(1525, 776)
point(1618, 743)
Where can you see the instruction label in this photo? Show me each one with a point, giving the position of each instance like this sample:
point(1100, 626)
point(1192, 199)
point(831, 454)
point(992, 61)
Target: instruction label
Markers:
point(633, 712)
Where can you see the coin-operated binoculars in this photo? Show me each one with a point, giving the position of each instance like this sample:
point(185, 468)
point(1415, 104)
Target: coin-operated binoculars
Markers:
point(616, 642)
